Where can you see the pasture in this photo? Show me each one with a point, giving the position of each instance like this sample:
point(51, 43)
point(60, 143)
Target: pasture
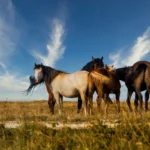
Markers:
point(30, 125)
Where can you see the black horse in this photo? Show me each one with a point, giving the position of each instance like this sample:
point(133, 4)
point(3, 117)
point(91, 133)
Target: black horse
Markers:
point(137, 79)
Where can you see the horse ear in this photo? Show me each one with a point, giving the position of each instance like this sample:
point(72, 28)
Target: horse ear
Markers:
point(113, 66)
point(101, 58)
point(35, 64)
point(93, 59)
point(41, 64)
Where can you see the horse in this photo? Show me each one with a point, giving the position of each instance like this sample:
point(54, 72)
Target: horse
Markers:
point(136, 78)
point(94, 64)
point(62, 84)
point(104, 81)
point(88, 67)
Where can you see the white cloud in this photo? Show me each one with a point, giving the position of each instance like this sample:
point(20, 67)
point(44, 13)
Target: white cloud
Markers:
point(127, 57)
point(55, 48)
point(2, 65)
point(11, 84)
point(8, 31)
point(137, 52)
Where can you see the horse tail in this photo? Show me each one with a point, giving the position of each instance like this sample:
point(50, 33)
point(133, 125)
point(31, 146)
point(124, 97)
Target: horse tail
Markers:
point(134, 73)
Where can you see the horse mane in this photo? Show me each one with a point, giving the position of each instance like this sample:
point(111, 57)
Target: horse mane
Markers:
point(50, 73)
point(32, 86)
point(88, 66)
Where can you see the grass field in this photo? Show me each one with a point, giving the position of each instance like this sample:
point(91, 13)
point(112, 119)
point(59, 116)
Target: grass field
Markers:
point(114, 132)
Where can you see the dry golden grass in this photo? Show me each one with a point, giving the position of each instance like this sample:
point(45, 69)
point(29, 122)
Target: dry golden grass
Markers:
point(39, 111)
point(131, 132)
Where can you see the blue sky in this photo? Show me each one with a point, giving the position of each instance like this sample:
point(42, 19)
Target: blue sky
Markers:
point(65, 34)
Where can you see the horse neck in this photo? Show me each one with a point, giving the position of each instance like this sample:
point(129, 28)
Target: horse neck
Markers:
point(112, 75)
point(50, 73)
point(88, 66)
point(120, 74)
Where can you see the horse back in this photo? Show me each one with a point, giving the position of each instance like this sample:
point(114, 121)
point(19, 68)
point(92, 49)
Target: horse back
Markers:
point(136, 70)
point(72, 80)
point(140, 64)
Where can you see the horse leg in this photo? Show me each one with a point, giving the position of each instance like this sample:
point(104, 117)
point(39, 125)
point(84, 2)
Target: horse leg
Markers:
point(109, 100)
point(98, 101)
point(100, 96)
point(147, 81)
point(51, 100)
point(84, 99)
point(59, 103)
point(138, 92)
point(147, 94)
point(79, 104)
point(90, 102)
point(136, 101)
point(106, 103)
point(128, 99)
point(90, 92)
point(146, 100)
point(51, 103)
point(118, 101)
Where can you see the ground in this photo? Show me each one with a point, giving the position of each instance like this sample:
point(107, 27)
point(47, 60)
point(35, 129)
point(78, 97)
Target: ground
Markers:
point(22, 124)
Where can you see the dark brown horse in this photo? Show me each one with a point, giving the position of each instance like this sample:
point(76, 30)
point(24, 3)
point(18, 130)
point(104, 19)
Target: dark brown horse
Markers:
point(137, 79)
point(104, 81)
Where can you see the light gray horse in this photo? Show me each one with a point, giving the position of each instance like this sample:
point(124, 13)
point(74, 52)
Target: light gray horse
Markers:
point(62, 84)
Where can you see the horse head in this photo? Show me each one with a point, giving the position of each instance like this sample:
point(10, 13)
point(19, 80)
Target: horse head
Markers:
point(110, 68)
point(97, 62)
point(38, 70)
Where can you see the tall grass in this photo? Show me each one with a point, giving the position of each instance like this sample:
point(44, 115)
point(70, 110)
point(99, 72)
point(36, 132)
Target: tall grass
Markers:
point(131, 131)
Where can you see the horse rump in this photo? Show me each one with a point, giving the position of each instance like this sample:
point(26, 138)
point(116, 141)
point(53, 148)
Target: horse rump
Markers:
point(135, 73)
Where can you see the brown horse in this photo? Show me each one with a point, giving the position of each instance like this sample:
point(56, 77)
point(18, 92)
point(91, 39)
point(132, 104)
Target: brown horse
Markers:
point(137, 79)
point(104, 81)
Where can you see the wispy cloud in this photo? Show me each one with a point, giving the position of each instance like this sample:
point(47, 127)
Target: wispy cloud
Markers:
point(12, 83)
point(8, 31)
point(138, 51)
point(3, 66)
point(127, 57)
point(55, 48)
point(9, 82)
